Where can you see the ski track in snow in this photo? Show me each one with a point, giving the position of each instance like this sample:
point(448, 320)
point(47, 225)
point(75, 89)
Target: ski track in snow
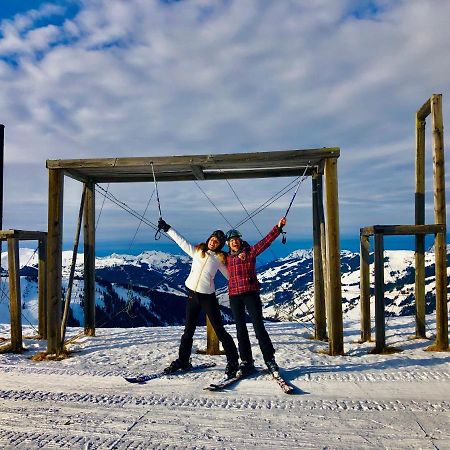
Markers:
point(355, 401)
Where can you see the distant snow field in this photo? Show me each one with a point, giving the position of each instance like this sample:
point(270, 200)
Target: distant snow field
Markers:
point(355, 401)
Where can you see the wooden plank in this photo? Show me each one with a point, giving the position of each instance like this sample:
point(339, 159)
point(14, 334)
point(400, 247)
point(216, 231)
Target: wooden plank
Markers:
point(89, 260)
point(440, 246)
point(424, 110)
point(406, 230)
point(54, 260)
point(103, 176)
point(320, 331)
point(364, 298)
point(23, 235)
point(223, 161)
point(72, 268)
point(42, 288)
point(419, 255)
point(334, 292)
point(380, 332)
point(15, 300)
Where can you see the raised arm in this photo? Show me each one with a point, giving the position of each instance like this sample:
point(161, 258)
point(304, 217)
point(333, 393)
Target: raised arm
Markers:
point(264, 243)
point(186, 246)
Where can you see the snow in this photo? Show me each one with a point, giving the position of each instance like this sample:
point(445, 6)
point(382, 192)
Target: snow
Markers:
point(355, 401)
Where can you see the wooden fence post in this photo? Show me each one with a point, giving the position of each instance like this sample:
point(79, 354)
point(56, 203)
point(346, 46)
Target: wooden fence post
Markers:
point(334, 292)
point(364, 300)
point(440, 247)
point(419, 256)
point(15, 300)
point(320, 332)
point(42, 285)
point(212, 341)
point(380, 332)
point(54, 260)
point(89, 260)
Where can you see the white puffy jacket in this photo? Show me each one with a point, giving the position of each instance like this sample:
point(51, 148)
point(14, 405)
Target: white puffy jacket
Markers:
point(203, 269)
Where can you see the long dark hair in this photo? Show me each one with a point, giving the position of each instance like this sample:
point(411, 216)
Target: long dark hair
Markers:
point(203, 247)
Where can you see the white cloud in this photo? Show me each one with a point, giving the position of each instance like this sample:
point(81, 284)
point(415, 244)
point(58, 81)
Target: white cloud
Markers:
point(148, 78)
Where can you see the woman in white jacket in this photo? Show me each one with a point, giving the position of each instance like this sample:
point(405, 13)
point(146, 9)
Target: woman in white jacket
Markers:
point(207, 259)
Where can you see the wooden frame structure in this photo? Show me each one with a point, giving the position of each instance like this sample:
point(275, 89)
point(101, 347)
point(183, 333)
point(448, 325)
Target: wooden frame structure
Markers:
point(432, 106)
point(311, 162)
point(15, 303)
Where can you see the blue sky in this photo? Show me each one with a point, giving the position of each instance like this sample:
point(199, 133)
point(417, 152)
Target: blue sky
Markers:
point(102, 78)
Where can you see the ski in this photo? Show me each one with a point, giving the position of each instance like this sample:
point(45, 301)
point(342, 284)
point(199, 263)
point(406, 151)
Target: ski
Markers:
point(284, 385)
point(227, 382)
point(223, 383)
point(142, 379)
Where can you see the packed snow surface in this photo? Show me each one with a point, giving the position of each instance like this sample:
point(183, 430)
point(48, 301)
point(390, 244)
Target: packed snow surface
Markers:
point(355, 401)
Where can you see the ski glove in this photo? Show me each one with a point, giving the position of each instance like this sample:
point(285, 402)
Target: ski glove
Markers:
point(163, 225)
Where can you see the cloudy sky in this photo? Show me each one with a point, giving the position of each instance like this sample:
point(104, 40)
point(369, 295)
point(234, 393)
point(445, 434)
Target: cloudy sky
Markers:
point(107, 78)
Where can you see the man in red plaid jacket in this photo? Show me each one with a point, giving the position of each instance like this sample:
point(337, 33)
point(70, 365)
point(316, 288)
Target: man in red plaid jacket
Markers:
point(243, 290)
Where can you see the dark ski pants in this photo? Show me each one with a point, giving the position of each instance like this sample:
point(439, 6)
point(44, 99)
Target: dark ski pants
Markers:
point(209, 304)
point(252, 302)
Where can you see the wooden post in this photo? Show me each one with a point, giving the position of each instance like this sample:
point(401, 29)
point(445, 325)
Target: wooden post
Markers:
point(72, 268)
point(334, 292)
point(212, 341)
point(54, 259)
point(440, 249)
point(89, 260)
point(380, 333)
point(15, 300)
point(320, 332)
point(419, 255)
point(42, 287)
point(364, 299)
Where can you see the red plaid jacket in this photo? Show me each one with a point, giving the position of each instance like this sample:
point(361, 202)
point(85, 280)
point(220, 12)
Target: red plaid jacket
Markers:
point(242, 273)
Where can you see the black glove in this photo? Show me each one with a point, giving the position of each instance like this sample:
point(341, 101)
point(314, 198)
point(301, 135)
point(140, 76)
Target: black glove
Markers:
point(163, 225)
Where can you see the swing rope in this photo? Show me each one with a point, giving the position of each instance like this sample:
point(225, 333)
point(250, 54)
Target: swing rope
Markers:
point(214, 205)
point(140, 221)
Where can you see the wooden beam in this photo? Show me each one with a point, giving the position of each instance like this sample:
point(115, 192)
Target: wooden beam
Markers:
point(89, 260)
point(72, 268)
point(23, 235)
point(104, 176)
point(440, 246)
point(424, 110)
point(419, 255)
point(198, 172)
point(320, 331)
point(42, 288)
point(15, 300)
point(54, 260)
point(222, 161)
point(364, 298)
point(380, 332)
point(212, 341)
point(405, 230)
point(334, 292)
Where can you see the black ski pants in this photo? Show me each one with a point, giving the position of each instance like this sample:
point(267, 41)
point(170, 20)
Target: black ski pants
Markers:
point(209, 304)
point(252, 302)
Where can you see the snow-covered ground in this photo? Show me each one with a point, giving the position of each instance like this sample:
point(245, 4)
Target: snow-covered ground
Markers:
point(356, 401)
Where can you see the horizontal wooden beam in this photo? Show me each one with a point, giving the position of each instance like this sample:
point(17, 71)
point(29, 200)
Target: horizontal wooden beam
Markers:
point(208, 176)
point(406, 230)
point(22, 235)
point(234, 160)
point(193, 167)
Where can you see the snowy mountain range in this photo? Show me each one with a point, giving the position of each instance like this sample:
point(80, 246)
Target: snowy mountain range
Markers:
point(148, 289)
